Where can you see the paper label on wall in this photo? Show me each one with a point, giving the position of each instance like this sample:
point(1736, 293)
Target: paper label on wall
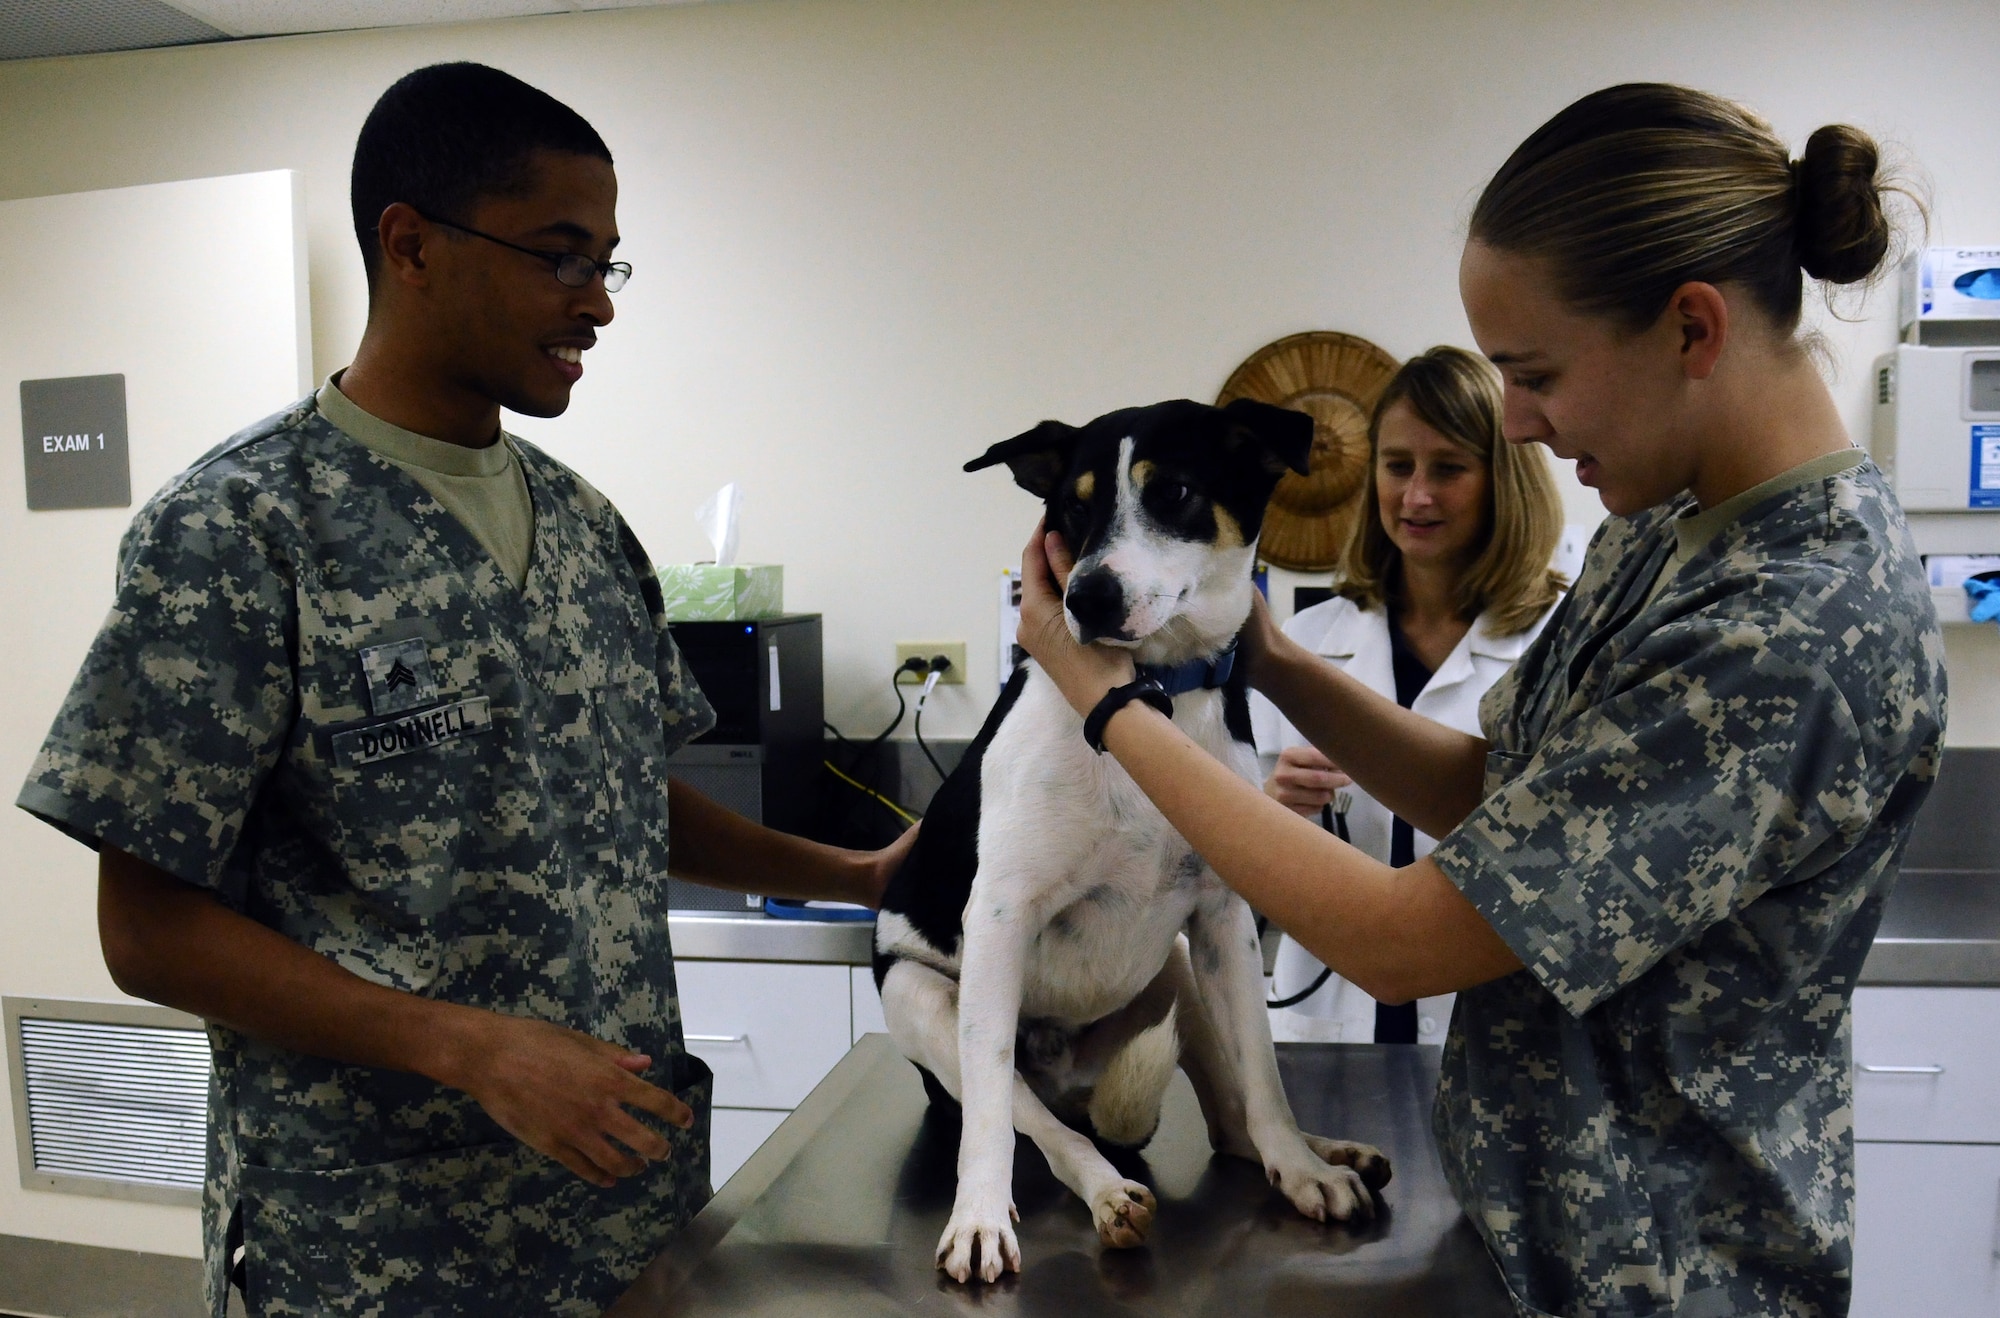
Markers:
point(1984, 490)
point(73, 443)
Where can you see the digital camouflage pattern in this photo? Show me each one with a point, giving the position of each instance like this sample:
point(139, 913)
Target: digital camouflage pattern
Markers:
point(1696, 809)
point(317, 696)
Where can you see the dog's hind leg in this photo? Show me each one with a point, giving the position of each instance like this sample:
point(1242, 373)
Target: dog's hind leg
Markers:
point(1217, 1084)
point(1219, 1087)
point(1125, 1103)
point(921, 1006)
point(1223, 950)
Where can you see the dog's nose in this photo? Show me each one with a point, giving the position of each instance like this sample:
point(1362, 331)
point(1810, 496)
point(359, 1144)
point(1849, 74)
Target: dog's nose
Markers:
point(1097, 601)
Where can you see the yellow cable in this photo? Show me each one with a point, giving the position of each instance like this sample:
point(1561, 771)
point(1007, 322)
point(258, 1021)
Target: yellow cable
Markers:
point(906, 815)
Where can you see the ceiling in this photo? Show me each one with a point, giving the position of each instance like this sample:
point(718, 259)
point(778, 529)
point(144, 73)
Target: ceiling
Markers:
point(34, 29)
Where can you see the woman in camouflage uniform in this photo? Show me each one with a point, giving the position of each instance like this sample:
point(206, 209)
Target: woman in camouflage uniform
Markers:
point(1663, 863)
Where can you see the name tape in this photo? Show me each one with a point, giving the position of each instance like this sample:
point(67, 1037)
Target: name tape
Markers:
point(412, 732)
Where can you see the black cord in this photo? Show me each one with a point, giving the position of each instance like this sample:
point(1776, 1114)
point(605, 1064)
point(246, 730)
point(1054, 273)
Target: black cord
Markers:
point(871, 751)
point(924, 746)
point(1319, 982)
point(902, 708)
point(1334, 822)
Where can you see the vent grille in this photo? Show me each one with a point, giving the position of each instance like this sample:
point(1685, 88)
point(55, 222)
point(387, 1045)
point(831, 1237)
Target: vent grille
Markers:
point(1885, 386)
point(117, 1102)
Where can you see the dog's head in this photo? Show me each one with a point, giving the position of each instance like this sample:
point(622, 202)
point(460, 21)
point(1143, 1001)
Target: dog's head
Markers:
point(1162, 507)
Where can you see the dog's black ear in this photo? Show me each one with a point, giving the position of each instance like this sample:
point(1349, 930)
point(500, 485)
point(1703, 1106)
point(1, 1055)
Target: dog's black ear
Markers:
point(1038, 458)
point(1284, 438)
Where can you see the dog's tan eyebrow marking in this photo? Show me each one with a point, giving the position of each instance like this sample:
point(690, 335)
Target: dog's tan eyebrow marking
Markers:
point(1142, 473)
point(1086, 485)
point(1228, 531)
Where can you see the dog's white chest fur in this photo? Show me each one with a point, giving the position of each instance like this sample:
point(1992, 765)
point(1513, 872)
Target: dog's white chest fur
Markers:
point(1113, 882)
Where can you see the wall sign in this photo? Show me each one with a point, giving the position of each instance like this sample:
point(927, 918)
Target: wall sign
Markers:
point(73, 442)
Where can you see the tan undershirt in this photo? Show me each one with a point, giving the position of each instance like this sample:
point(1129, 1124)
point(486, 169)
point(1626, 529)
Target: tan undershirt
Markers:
point(1695, 528)
point(482, 487)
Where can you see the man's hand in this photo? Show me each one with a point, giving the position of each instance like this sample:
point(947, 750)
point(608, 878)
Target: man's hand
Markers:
point(1305, 780)
point(1083, 673)
point(558, 1091)
point(883, 864)
point(565, 1094)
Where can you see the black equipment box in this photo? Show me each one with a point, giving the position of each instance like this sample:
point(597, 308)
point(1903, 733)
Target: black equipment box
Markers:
point(762, 758)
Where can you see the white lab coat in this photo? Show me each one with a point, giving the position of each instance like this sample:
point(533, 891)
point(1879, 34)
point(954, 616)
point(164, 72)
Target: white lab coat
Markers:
point(1357, 641)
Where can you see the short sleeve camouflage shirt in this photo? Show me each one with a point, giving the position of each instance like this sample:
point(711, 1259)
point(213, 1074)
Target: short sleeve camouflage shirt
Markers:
point(317, 696)
point(1695, 813)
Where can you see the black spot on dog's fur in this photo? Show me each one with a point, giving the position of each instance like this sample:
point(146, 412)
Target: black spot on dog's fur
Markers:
point(931, 888)
point(1236, 704)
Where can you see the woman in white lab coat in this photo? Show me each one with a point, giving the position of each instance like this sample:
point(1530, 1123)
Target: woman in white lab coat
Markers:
point(1443, 587)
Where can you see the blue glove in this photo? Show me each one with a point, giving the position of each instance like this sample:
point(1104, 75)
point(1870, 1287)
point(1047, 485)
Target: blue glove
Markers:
point(1982, 595)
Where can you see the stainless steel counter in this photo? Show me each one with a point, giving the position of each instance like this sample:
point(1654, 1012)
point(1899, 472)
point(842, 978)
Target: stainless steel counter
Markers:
point(840, 1211)
point(1941, 929)
point(715, 936)
point(1942, 925)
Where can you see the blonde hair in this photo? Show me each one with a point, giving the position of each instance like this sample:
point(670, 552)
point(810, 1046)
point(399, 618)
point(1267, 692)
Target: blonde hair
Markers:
point(1637, 189)
point(1457, 394)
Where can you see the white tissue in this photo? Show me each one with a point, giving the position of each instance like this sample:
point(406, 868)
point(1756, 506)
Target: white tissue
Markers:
point(719, 518)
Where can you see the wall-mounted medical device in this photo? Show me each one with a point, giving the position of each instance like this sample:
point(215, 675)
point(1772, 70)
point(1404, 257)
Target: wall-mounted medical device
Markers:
point(1951, 296)
point(1937, 402)
point(1937, 428)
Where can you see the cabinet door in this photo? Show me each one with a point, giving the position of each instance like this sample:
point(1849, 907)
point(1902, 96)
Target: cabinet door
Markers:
point(1925, 1064)
point(1927, 1230)
point(771, 1030)
point(735, 1134)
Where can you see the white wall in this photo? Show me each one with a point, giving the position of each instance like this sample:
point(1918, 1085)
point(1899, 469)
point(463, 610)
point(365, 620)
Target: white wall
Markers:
point(95, 283)
point(874, 236)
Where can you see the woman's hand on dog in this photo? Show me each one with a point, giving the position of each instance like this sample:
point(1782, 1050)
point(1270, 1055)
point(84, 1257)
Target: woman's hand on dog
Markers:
point(1083, 673)
point(1262, 645)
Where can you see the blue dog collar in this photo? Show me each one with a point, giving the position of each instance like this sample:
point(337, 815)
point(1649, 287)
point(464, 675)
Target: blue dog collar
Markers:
point(1194, 675)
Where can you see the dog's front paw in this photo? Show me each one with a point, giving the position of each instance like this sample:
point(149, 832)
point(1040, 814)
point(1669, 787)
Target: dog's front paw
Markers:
point(1123, 1211)
point(980, 1240)
point(1368, 1161)
point(1323, 1191)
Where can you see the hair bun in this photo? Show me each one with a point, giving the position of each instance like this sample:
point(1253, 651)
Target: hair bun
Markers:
point(1843, 232)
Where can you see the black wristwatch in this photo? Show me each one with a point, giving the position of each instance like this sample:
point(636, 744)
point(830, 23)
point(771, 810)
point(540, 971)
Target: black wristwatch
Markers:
point(1146, 689)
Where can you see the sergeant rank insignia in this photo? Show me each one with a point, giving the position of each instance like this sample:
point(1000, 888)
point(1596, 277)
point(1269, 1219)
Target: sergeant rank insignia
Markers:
point(399, 676)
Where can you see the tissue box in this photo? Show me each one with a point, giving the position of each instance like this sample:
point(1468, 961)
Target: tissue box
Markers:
point(709, 592)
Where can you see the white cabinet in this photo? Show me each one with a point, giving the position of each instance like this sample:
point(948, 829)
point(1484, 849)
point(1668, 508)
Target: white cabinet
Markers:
point(734, 1134)
point(1927, 1065)
point(1927, 1231)
point(770, 1030)
point(1927, 1153)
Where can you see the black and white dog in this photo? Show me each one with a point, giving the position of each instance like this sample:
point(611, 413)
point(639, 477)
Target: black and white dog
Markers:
point(1051, 943)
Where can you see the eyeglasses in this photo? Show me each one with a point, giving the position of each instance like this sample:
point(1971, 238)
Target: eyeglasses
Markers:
point(573, 269)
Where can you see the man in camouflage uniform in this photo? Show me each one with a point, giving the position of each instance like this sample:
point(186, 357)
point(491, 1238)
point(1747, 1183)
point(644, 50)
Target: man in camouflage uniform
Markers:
point(373, 745)
point(1699, 784)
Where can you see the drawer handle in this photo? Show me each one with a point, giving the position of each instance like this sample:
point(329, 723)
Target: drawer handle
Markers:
point(1904, 1070)
point(716, 1038)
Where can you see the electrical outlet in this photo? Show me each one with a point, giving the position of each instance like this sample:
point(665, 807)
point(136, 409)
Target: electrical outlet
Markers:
point(952, 650)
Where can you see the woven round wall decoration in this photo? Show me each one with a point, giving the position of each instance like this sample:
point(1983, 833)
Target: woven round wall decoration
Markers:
point(1334, 378)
